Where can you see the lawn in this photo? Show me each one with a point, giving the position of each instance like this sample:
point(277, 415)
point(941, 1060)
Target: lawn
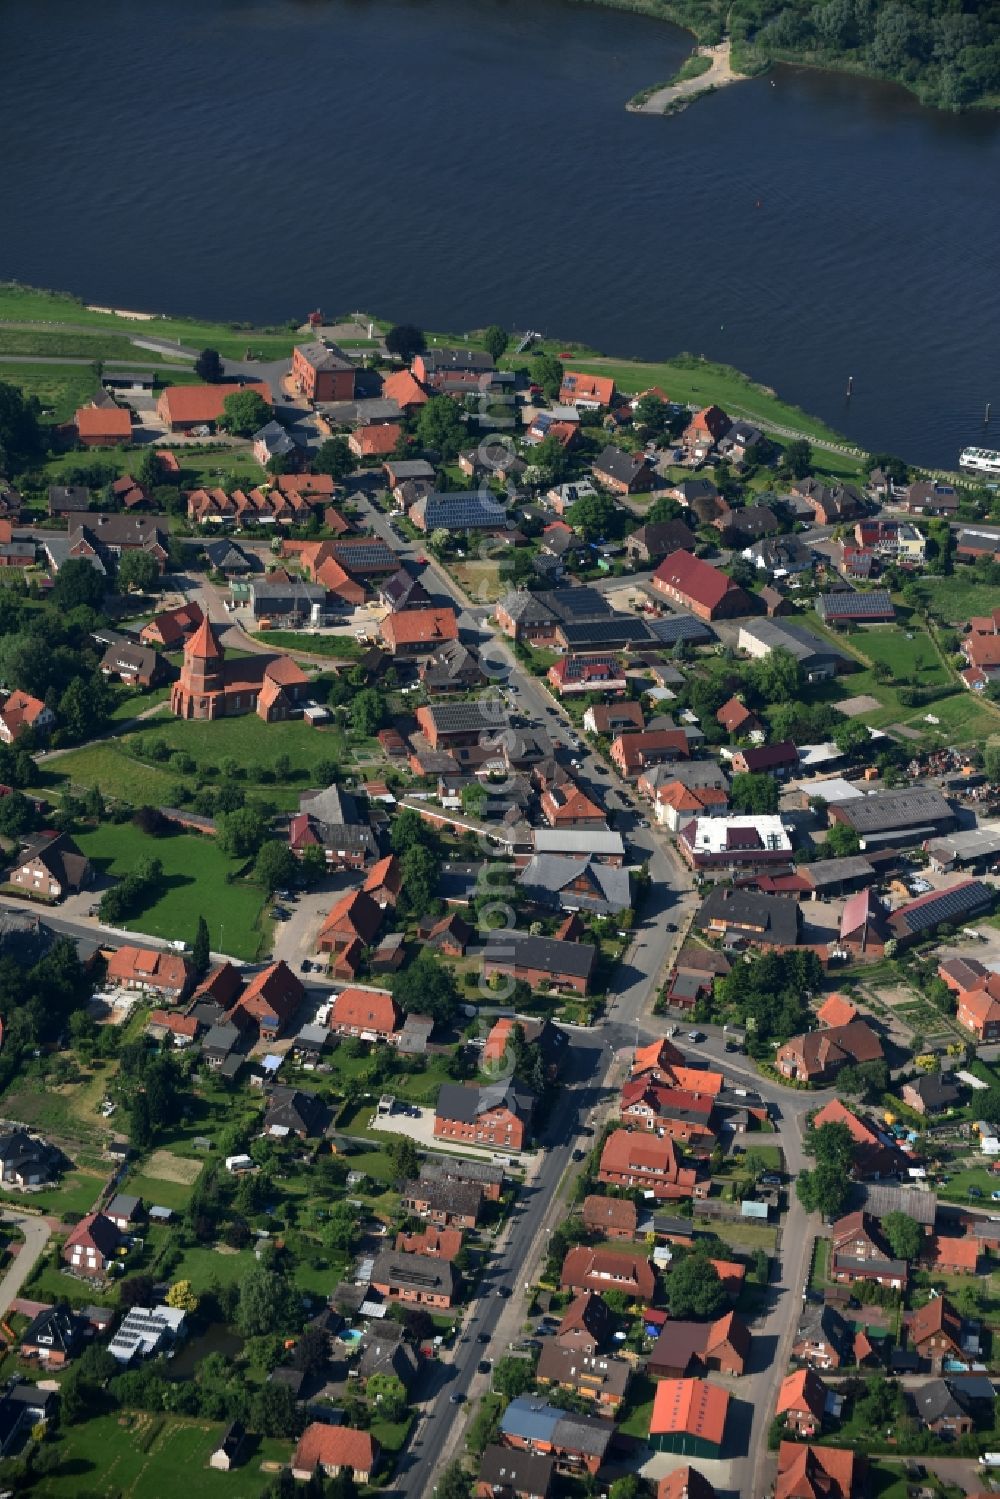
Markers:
point(202, 1266)
point(957, 1189)
point(208, 466)
point(196, 882)
point(639, 1407)
point(51, 343)
point(338, 647)
point(910, 654)
point(75, 1192)
point(740, 1235)
point(817, 1273)
point(153, 1190)
point(25, 304)
point(61, 388)
point(122, 1456)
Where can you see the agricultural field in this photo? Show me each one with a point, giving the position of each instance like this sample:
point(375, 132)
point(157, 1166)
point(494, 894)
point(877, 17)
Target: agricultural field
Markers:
point(61, 388)
point(958, 597)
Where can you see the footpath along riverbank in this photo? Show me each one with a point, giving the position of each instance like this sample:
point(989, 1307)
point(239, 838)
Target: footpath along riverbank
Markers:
point(677, 95)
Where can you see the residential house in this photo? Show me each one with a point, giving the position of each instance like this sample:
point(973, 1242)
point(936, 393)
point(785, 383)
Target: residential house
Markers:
point(436, 1243)
point(459, 511)
point(350, 926)
point(701, 588)
point(739, 721)
point(586, 1268)
point(679, 1113)
point(822, 1339)
point(685, 1483)
point(454, 371)
point(598, 1377)
point(91, 1246)
point(504, 1474)
point(420, 1279)
point(336, 821)
point(576, 1443)
point(929, 497)
point(575, 884)
point(134, 665)
point(53, 1336)
point(859, 1253)
point(830, 504)
point(290, 1111)
point(182, 407)
point(948, 1255)
point(613, 718)
point(817, 1056)
point(573, 675)
point(498, 1114)
point(333, 1450)
point(103, 426)
point(689, 1418)
point(610, 1217)
point(445, 1203)
point(934, 1093)
point(543, 962)
point(778, 760)
point(586, 1324)
point(52, 866)
point(418, 632)
point(564, 805)
point(706, 428)
point(935, 1333)
point(744, 916)
point(125, 1211)
point(270, 1001)
point(151, 971)
point(693, 1348)
point(369, 1014)
point(19, 711)
point(805, 1471)
point(719, 846)
point(943, 1409)
point(635, 752)
point(621, 472)
point(171, 627)
point(648, 545)
point(802, 1401)
point(453, 668)
point(590, 392)
point(631, 1159)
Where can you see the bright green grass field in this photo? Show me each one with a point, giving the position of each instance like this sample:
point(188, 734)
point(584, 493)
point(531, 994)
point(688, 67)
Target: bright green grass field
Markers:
point(61, 388)
point(166, 1456)
point(195, 879)
point(958, 597)
point(204, 467)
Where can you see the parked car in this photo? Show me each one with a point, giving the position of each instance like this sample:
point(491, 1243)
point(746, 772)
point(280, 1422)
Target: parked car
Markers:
point(975, 1191)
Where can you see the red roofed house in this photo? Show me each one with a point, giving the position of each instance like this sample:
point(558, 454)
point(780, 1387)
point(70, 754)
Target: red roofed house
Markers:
point(934, 1332)
point(222, 986)
point(837, 1010)
point(836, 1112)
point(564, 805)
point(733, 1276)
point(951, 1256)
point(335, 1450)
point(183, 1029)
point(578, 674)
point(979, 1010)
point(377, 440)
point(697, 1347)
point(736, 718)
point(150, 970)
point(354, 918)
point(611, 1217)
point(685, 1483)
point(862, 924)
point(817, 1056)
point(436, 1243)
point(858, 1253)
point(405, 389)
point(677, 1112)
point(270, 1000)
point(806, 1472)
point(701, 588)
point(633, 753)
point(20, 711)
point(91, 1246)
point(371, 1014)
point(103, 426)
point(689, 1417)
point(171, 628)
point(639, 1160)
point(417, 632)
point(802, 1401)
point(181, 407)
point(591, 391)
point(597, 1269)
point(705, 429)
point(384, 881)
point(657, 1061)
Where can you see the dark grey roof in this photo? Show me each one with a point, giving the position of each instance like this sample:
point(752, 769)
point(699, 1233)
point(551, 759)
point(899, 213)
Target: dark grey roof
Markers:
point(603, 633)
point(369, 555)
point(325, 356)
point(299, 1112)
point(467, 1102)
point(802, 644)
point(462, 1199)
point(880, 1200)
point(528, 608)
point(957, 904)
point(546, 876)
point(935, 1091)
point(874, 604)
point(547, 954)
point(444, 360)
point(410, 468)
point(771, 919)
point(277, 439)
point(296, 590)
point(467, 510)
point(465, 1168)
point(508, 1471)
point(618, 464)
point(418, 1272)
point(573, 605)
point(229, 556)
point(483, 715)
point(221, 1039)
point(937, 1400)
point(891, 811)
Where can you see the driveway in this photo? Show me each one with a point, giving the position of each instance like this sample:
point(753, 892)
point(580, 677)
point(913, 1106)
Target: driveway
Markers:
point(37, 1232)
point(295, 938)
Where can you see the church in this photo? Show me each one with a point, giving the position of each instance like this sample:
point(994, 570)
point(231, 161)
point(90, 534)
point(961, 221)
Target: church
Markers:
point(209, 686)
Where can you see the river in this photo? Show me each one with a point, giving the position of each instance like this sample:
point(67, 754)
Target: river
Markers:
point(456, 163)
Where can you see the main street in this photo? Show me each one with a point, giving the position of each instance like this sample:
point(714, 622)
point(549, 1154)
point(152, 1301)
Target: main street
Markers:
point(599, 1060)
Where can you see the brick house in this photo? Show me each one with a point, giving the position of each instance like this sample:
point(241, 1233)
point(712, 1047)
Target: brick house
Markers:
point(586, 1325)
point(576, 1443)
point(634, 753)
point(51, 866)
point(822, 1340)
point(611, 1217)
point(697, 586)
point(270, 1001)
point(151, 971)
point(334, 1450)
point(833, 1472)
point(564, 805)
point(498, 1114)
point(433, 1242)
point(598, 1269)
point(371, 1014)
point(817, 1056)
point(597, 1377)
point(103, 426)
point(418, 632)
point(934, 1332)
point(621, 472)
point(540, 961)
point(446, 1204)
point(91, 1246)
point(19, 711)
point(651, 1164)
point(802, 1402)
point(859, 1253)
point(504, 1474)
point(694, 1348)
point(322, 372)
point(589, 391)
point(979, 1010)
point(675, 1112)
point(416, 1279)
point(181, 407)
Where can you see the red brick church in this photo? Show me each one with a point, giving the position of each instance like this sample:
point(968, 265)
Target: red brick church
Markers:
point(212, 687)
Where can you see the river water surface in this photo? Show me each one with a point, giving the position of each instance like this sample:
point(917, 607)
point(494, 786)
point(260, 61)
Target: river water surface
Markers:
point(457, 162)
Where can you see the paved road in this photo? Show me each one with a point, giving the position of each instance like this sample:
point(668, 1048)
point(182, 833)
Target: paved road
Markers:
point(36, 1235)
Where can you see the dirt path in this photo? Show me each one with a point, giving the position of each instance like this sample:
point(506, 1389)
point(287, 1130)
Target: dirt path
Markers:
point(677, 95)
point(36, 1235)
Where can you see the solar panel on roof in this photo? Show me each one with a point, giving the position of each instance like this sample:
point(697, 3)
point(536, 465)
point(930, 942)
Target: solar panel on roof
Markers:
point(868, 605)
point(605, 632)
point(950, 905)
point(676, 627)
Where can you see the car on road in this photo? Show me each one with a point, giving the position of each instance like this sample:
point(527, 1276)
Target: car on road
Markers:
point(279, 913)
point(578, 1155)
point(305, 966)
point(483, 1337)
point(696, 1036)
point(456, 1398)
point(484, 1366)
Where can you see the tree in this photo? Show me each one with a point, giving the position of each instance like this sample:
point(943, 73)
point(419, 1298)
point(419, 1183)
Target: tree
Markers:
point(495, 341)
point(453, 1481)
point(841, 841)
point(17, 815)
point(777, 677)
point(420, 868)
point(474, 799)
point(756, 793)
point(264, 1302)
point(409, 828)
point(273, 1412)
point(695, 1289)
point(427, 987)
point(244, 412)
point(833, 1145)
point(312, 1351)
point(893, 468)
point(513, 1376)
point(547, 371)
point(798, 459)
point(208, 367)
point(405, 341)
point(629, 1487)
point(404, 1157)
point(824, 1190)
point(137, 572)
point(241, 833)
point(904, 1234)
point(651, 417)
point(201, 950)
point(369, 712)
point(440, 428)
point(551, 459)
point(182, 1297)
point(20, 430)
point(335, 458)
point(596, 517)
point(77, 582)
point(274, 865)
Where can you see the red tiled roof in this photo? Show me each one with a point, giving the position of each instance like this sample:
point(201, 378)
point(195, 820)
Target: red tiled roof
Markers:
point(802, 1391)
point(836, 1112)
point(807, 1472)
point(205, 403)
point(419, 627)
point(275, 992)
point(223, 984)
point(114, 422)
point(691, 1407)
point(694, 578)
point(355, 914)
point(148, 965)
point(366, 1010)
point(837, 1010)
point(335, 1447)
